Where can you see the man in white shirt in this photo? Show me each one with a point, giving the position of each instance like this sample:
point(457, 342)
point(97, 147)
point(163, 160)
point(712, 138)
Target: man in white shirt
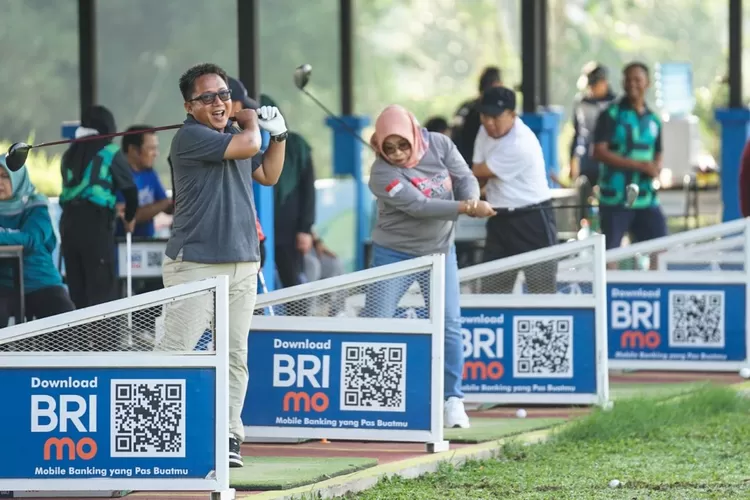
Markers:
point(508, 157)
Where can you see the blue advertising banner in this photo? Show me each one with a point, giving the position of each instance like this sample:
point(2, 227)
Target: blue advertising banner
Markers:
point(685, 322)
point(85, 423)
point(529, 351)
point(340, 380)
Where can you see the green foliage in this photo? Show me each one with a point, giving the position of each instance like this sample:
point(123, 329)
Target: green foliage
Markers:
point(424, 55)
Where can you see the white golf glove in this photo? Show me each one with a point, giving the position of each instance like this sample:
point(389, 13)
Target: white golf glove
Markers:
point(270, 119)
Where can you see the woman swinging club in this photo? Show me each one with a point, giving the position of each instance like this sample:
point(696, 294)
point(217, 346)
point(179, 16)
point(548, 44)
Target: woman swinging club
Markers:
point(422, 184)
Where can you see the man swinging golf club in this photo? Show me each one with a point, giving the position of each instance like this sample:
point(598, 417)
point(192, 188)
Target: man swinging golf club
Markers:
point(213, 166)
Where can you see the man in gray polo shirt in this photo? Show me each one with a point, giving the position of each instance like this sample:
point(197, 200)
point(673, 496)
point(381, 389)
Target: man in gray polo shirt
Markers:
point(213, 165)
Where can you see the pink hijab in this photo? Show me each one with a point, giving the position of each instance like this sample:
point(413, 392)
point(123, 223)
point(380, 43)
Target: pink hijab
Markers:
point(397, 120)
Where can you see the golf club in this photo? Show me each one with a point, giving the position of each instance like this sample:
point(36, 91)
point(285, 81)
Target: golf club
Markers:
point(301, 79)
point(264, 288)
point(631, 194)
point(18, 152)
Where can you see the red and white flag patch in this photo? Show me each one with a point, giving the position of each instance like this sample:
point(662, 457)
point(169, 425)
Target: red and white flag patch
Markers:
point(394, 187)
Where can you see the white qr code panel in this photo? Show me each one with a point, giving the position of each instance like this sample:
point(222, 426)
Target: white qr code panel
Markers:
point(543, 346)
point(373, 376)
point(147, 418)
point(696, 318)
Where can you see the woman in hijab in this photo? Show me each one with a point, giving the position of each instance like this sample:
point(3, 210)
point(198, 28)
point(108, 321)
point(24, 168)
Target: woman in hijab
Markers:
point(25, 221)
point(92, 172)
point(422, 184)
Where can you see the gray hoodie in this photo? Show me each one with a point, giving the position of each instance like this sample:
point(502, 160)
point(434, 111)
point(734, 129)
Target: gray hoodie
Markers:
point(418, 207)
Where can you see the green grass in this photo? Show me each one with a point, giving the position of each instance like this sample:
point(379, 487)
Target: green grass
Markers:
point(491, 429)
point(621, 390)
point(691, 447)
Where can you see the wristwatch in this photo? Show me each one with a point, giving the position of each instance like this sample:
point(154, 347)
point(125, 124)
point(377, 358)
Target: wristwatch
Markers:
point(279, 138)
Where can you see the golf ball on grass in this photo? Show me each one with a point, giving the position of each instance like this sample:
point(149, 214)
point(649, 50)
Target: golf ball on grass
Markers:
point(745, 372)
point(521, 413)
point(614, 483)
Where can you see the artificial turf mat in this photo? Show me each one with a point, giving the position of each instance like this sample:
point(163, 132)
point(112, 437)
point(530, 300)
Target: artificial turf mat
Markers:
point(282, 473)
point(491, 429)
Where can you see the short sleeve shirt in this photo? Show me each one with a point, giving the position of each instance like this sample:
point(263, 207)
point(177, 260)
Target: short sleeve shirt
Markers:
point(214, 219)
point(150, 191)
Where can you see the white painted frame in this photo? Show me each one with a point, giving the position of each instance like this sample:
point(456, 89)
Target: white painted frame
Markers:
point(218, 360)
point(597, 301)
point(433, 326)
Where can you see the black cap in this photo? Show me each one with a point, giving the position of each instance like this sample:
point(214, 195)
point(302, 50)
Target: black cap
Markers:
point(239, 93)
point(596, 75)
point(496, 100)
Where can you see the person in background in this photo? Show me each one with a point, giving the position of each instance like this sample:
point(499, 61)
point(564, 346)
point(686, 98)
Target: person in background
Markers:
point(422, 185)
point(466, 121)
point(321, 263)
point(241, 100)
point(744, 181)
point(93, 171)
point(141, 150)
point(627, 142)
point(294, 210)
point(438, 124)
point(509, 156)
point(25, 221)
point(596, 97)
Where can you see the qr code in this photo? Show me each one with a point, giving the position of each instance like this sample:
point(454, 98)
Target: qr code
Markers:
point(696, 318)
point(543, 346)
point(373, 376)
point(147, 418)
point(154, 259)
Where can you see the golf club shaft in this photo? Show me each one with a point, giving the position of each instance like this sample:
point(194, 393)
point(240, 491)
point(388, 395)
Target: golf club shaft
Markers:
point(106, 136)
point(577, 206)
point(262, 281)
point(332, 115)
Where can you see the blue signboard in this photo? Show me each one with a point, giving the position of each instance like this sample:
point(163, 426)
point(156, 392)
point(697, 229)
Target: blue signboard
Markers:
point(685, 322)
point(674, 93)
point(340, 380)
point(86, 423)
point(529, 351)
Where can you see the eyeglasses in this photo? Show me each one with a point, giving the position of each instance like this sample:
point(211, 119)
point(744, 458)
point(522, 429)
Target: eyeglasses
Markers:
point(210, 97)
point(402, 146)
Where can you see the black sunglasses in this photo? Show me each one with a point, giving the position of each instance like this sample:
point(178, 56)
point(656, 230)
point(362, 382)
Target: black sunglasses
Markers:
point(210, 97)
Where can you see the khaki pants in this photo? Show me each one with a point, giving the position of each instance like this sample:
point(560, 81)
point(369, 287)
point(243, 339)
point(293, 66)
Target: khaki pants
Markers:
point(186, 321)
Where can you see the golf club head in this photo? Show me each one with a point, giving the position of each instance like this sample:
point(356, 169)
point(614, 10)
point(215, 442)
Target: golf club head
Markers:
point(17, 154)
point(631, 193)
point(302, 76)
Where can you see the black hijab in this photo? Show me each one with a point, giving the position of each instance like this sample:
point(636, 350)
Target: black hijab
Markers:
point(80, 154)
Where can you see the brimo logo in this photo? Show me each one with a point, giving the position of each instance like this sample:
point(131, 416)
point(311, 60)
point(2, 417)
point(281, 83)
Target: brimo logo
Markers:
point(634, 339)
point(303, 401)
point(479, 370)
point(50, 416)
point(84, 448)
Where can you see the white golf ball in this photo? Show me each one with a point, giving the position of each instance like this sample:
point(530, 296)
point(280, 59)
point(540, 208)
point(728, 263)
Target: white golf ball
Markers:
point(521, 413)
point(745, 372)
point(614, 483)
point(608, 406)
